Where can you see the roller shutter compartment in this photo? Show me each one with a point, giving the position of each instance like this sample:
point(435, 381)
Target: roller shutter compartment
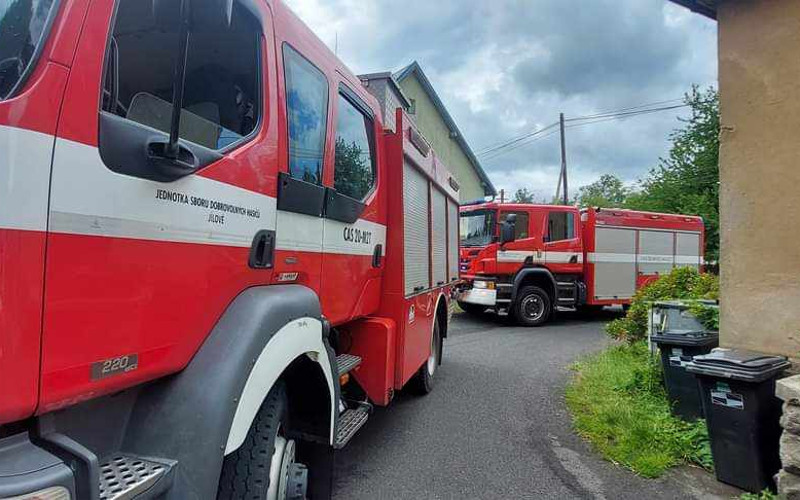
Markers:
point(415, 228)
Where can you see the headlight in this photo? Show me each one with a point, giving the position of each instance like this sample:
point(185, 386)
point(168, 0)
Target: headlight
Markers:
point(489, 285)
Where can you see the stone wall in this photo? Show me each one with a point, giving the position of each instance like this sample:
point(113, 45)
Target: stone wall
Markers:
point(788, 479)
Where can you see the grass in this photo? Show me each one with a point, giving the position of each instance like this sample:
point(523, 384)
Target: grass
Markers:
point(619, 404)
point(763, 495)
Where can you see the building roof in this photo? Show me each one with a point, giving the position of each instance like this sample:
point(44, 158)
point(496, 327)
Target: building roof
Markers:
point(414, 68)
point(707, 8)
point(387, 75)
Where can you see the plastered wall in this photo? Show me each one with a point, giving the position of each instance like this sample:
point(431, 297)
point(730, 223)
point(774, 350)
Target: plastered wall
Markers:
point(759, 71)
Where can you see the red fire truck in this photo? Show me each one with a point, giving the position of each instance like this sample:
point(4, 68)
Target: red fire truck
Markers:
point(533, 260)
point(213, 259)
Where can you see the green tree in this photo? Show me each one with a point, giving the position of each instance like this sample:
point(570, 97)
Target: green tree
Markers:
point(352, 170)
point(523, 195)
point(609, 191)
point(687, 180)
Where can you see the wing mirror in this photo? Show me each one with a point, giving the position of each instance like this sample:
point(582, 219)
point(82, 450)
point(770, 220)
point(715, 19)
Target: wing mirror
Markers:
point(507, 229)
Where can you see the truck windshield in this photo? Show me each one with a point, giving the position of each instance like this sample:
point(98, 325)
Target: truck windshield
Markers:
point(477, 228)
point(23, 24)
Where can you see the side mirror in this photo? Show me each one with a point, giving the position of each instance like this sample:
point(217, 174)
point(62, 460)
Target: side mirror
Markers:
point(507, 229)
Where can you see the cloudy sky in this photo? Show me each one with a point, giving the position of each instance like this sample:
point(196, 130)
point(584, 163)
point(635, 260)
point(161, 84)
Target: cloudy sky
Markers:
point(505, 68)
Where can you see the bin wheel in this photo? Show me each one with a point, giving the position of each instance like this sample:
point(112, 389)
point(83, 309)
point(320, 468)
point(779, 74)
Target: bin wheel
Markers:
point(264, 466)
point(473, 309)
point(532, 307)
point(422, 383)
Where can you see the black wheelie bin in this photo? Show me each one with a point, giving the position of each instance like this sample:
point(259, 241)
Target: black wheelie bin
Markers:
point(680, 337)
point(742, 414)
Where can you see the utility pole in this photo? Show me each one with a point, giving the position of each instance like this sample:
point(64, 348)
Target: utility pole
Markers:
point(563, 160)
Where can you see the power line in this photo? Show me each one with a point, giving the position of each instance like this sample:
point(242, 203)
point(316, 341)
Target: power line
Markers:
point(527, 139)
point(520, 145)
point(627, 113)
point(646, 105)
point(505, 146)
point(514, 140)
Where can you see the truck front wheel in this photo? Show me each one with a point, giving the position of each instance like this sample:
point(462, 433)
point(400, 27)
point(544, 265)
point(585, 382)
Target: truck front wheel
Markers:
point(532, 307)
point(264, 467)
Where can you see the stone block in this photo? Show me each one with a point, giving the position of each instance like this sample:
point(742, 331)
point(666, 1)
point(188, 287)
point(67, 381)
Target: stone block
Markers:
point(790, 420)
point(788, 389)
point(790, 452)
point(788, 485)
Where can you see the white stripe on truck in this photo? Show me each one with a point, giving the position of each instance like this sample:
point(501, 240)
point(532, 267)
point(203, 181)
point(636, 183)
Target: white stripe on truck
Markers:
point(89, 199)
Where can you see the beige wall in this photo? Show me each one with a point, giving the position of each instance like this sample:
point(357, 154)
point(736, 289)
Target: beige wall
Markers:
point(435, 130)
point(759, 59)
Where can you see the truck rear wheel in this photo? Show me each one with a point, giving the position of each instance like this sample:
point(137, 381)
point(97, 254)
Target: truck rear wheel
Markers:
point(264, 467)
point(532, 307)
point(422, 383)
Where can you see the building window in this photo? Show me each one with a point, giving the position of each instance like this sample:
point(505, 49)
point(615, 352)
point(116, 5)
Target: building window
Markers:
point(307, 110)
point(412, 106)
point(354, 166)
point(560, 226)
point(221, 89)
point(521, 228)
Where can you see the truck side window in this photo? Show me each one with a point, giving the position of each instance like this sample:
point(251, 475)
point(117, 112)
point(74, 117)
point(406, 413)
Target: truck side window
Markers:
point(560, 226)
point(521, 228)
point(23, 27)
point(307, 110)
point(221, 86)
point(354, 168)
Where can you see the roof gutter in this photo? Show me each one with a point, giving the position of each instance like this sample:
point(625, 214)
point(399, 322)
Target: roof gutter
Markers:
point(706, 8)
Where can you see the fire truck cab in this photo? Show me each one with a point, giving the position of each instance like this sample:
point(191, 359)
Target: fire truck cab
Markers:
point(214, 261)
point(534, 260)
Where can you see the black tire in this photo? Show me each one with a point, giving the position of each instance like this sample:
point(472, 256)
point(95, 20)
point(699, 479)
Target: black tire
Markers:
point(532, 306)
point(422, 383)
point(473, 309)
point(245, 472)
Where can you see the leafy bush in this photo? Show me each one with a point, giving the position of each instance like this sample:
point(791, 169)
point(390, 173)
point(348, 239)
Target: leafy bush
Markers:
point(619, 404)
point(681, 283)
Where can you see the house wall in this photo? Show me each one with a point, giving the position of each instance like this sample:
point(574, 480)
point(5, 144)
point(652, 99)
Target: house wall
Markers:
point(387, 98)
point(435, 130)
point(759, 70)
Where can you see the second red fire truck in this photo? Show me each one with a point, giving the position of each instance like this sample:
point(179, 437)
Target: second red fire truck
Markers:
point(533, 260)
point(213, 258)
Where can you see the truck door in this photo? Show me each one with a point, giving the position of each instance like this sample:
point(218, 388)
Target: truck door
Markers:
point(144, 254)
point(32, 82)
point(563, 243)
point(526, 247)
point(354, 233)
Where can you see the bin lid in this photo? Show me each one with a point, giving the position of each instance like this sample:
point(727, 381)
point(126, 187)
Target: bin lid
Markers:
point(697, 338)
point(738, 364)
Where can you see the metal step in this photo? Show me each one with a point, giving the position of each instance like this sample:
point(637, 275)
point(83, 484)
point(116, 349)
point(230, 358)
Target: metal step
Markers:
point(346, 362)
point(349, 423)
point(123, 477)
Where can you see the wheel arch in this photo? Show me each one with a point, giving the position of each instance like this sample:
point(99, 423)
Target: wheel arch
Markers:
point(536, 276)
point(442, 314)
point(203, 412)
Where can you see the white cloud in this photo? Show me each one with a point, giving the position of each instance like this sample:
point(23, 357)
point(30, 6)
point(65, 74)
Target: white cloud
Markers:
point(506, 67)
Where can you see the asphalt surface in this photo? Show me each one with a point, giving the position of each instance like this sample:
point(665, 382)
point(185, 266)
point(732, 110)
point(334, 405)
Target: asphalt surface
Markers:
point(496, 426)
